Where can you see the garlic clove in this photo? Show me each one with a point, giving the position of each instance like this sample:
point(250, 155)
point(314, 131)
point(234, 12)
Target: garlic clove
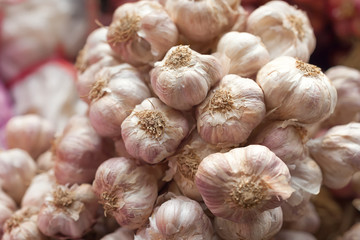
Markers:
point(249, 180)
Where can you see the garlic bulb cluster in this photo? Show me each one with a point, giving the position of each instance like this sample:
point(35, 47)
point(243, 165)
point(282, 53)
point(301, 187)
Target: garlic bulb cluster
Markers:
point(200, 21)
point(230, 111)
point(23, 225)
point(243, 182)
point(153, 130)
point(78, 152)
point(246, 52)
point(113, 96)
point(31, 133)
point(287, 81)
point(17, 169)
point(337, 153)
point(184, 77)
point(141, 32)
point(284, 29)
point(177, 218)
point(126, 191)
point(260, 227)
point(347, 83)
point(68, 212)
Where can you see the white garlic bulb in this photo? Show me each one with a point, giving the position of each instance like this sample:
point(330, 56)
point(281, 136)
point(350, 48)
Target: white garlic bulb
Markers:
point(126, 191)
point(260, 227)
point(153, 131)
point(141, 32)
point(287, 82)
point(246, 52)
point(248, 180)
point(284, 29)
point(202, 20)
point(338, 154)
point(116, 92)
point(230, 111)
point(31, 133)
point(184, 77)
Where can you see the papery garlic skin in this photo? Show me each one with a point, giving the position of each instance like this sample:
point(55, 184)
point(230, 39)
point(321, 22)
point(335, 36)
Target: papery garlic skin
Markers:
point(230, 111)
point(246, 52)
point(153, 131)
point(243, 182)
point(202, 20)
point(287, 81)
point(258, 227)
point(141, 32)
point(22, 225)
point(116, 92)
point(284, 29)
point(68, 212)
point(78, 152)
point(121, 233)
point(184, 77)
point(338, 154)
point(31, 133)
point(17, 168)
point(126, 191)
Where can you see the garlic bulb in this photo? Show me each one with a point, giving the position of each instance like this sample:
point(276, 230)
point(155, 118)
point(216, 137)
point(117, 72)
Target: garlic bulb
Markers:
point(45, 162)
point(17, 169)
point(5, 214)
point(337, 154)
point(68, 212)
point(284, 138)
point(184, 77)
point(186, 162)
point(120, 234)
point(284, 29)
point(258, 227)
point(31, 133)
point(231, 111)
point(116, 92)
point(141, 32)
point(347, 83)
point(287, 81)
point(177, 218)
point(40, 186)
point(126, 191)
point(153, 131)
point(294, 235)
point(78, 152)
point(202, 20)
point(22, 225)
point(246, 52)
point(243, 182)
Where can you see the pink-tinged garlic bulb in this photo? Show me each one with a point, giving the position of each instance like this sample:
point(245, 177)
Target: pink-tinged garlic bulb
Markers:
point(246, 52)
point(186, 162)
point(126, 191)
point(294, 235)
point(284, 29)
point(353, 233)
point(17, 169)
point(31, 133)
point(116, 92)
point(347, 83)
point(285, 138)
point(338, 154)
point(309, 222)
point(22, 225)
point(262, 226)
point(41, 185)
point(45, 162)
point(177, 218)
point(287, 81)
point(202, 20)
point(153, 131)
point(184, 77)
point(243, 182)
point(120, 234)
point(231, 111)
point(141, 32)
point(68, 212)
point(78, 152)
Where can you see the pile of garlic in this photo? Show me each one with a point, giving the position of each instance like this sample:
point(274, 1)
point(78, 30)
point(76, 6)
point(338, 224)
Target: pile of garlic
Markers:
point(201, 124)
